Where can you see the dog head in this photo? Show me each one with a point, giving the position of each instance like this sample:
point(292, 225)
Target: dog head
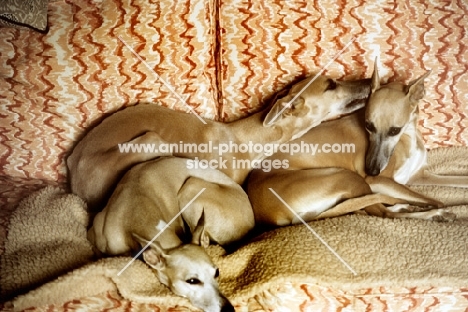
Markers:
point(188, 271)
point(389, 111)
point(316, 99)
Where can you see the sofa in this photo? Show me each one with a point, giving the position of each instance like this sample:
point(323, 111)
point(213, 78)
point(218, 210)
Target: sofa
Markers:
point(76, 62)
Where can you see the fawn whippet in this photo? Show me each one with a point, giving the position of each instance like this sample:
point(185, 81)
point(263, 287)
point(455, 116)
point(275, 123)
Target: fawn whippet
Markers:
point(387, 147)
point(96, 163)
point(143, 204)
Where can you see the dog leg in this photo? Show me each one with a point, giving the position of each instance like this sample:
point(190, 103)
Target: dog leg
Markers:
point(390, 188)
point(429, 178)
point(401, 211)
point(356, 204)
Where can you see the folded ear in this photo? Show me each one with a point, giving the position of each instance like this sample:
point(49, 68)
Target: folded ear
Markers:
point(375, 83)
point(415, 89)
point(199, 236)
point(283, 108)
point(154, 255)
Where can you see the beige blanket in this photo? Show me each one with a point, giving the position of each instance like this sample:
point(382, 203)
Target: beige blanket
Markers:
point(47, 238)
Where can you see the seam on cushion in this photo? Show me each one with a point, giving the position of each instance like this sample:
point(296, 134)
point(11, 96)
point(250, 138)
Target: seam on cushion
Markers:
point(217, 59)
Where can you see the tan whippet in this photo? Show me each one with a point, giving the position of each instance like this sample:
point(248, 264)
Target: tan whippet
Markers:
point(148, 197)
point(387, 147)
point(97, 163)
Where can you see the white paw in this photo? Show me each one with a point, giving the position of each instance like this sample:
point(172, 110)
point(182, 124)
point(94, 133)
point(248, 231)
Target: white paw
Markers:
point(443, 216)
point(399, 208)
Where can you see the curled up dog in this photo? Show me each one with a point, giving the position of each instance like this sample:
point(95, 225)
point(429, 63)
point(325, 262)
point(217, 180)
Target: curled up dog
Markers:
point(148, 202)
point(96, 163)
point(389, 152)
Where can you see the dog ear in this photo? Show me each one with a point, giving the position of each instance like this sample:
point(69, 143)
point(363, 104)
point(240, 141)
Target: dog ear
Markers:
point(283, 107)
point(375, 81)
point(199, 236)
point(415, 89)
point(154, 255)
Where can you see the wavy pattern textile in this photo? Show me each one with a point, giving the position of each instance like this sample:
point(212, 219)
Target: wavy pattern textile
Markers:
point(55, 86)
point(268, 44)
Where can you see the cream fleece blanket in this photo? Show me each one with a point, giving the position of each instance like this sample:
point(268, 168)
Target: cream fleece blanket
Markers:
point(382, 252)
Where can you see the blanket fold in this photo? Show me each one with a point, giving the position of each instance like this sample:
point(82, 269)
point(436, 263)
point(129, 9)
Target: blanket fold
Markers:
point(46, 238)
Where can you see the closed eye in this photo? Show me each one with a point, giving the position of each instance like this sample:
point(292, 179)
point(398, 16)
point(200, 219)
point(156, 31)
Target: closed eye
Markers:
point(193, 281)
point(394, 131)
point(370, 126)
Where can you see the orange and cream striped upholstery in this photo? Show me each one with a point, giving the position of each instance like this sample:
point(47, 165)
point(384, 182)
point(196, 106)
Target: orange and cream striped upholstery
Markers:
point(267, 44)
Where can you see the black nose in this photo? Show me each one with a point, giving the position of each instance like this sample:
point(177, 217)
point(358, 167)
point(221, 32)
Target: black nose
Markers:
point(227, 307)
point(372, 171)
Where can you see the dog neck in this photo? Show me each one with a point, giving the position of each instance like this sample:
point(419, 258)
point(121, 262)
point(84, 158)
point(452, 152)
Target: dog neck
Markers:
point(411, 129)
point(252, 129)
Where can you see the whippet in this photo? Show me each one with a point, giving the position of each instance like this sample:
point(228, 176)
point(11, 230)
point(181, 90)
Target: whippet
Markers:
point(97, 163)
point(148, 197)
point(387, 147)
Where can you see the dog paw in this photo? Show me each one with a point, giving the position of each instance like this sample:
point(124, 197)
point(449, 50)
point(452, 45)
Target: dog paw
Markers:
point(444, 216)
point(420, 208)
point(400, 208)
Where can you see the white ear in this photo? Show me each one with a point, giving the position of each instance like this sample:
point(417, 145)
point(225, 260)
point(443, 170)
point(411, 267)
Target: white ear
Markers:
point(283, 108)
point(375, 84)
point(415, 89)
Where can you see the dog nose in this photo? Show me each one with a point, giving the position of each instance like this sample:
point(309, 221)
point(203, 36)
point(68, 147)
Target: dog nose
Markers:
point(227, 307)
point(373, 171)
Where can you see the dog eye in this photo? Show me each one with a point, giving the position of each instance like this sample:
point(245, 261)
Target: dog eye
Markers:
point(370, 126)
point(217, 273)
point(331, 85)
point(394, 131)
point(193, 281)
